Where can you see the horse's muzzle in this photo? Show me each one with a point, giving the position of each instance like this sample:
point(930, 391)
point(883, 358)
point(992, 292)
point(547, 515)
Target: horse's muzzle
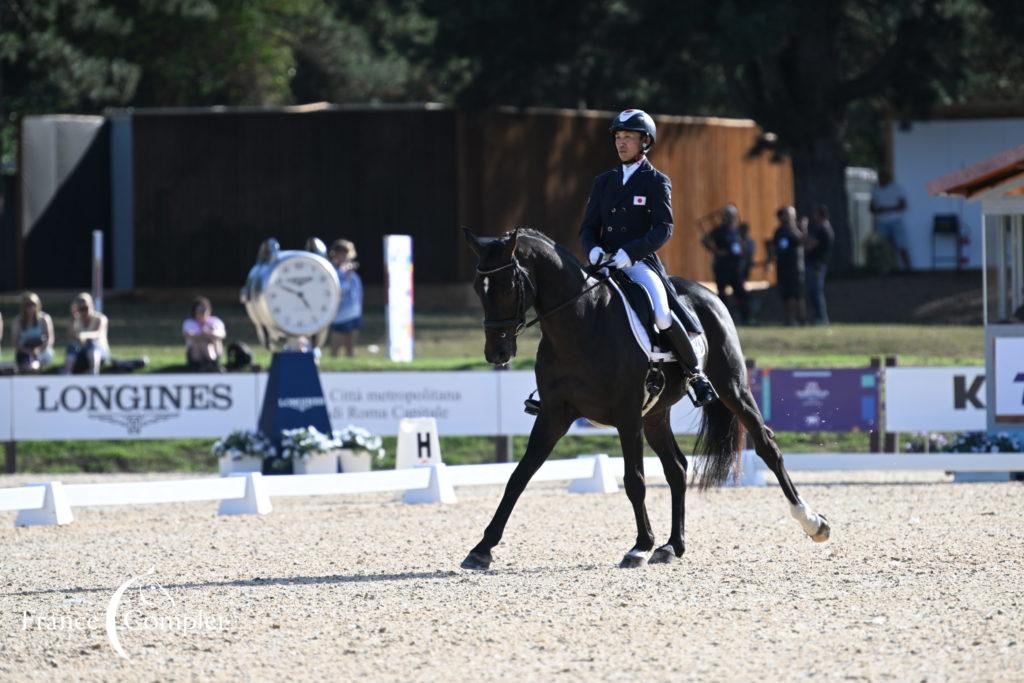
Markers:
point(499, 353)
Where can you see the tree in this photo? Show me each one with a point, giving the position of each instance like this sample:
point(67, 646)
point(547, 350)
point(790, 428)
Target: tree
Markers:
point(796, 68)
point(51, 59)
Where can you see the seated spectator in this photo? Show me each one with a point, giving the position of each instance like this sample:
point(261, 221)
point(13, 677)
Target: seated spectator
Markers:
point(349, 319)
point(88, 349)
point(32, 335)
point(204, 337)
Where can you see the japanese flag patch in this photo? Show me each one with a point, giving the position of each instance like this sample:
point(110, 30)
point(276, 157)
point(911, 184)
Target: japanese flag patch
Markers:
point(639, 200)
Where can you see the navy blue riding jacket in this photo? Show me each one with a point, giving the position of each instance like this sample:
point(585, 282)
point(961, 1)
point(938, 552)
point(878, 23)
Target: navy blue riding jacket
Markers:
point(635, 217)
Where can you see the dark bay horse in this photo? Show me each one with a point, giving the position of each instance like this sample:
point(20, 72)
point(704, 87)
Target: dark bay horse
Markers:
point(589, 365)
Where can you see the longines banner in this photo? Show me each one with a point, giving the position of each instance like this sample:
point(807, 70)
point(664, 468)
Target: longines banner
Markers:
point(131, 407)
point(158, 406)
point(935, 399)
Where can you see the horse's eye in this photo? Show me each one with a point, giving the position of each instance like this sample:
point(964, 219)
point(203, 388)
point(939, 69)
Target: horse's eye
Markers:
point(504, 334)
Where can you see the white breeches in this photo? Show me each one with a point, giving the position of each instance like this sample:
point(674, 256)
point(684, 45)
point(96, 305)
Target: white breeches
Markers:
point(643, 275)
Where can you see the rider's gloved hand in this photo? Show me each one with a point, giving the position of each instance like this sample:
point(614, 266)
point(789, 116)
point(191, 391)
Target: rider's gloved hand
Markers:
point(621, 260)
point(596, 254)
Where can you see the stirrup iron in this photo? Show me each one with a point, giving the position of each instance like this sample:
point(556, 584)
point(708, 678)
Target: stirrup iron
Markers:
point(531, 406)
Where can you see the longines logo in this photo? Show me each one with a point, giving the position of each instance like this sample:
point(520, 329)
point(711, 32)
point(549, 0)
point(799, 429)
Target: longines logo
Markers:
point(301, 404)
point(134, 406)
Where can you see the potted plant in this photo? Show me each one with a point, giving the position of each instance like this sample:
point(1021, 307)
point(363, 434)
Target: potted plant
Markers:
point(357, 448)
point(309, 450)
point(242, 450)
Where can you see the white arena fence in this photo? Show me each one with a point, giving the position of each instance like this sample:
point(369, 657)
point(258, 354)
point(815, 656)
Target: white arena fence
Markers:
point(52, 502)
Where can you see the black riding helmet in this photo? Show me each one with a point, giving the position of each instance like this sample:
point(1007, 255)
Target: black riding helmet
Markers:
point(638, 120)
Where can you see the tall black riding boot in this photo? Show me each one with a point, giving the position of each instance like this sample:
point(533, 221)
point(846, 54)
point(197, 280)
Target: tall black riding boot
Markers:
point(703, 392)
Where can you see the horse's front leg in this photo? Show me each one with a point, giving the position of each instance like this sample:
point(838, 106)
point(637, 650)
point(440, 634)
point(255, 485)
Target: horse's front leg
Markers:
point(632, 442)
point(547, 430)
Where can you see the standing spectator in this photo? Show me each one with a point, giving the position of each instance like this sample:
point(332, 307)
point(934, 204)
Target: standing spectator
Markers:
point(349, 319)
point(32, 335)
point(726, 246)
point(820, 238)
point(749, 251)
point(204, 337)
point(88, 349)
point(788, 254)
point(888, 204)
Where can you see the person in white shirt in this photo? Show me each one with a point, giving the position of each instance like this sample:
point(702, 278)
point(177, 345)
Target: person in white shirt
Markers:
point(888, 204)
point(204, 337)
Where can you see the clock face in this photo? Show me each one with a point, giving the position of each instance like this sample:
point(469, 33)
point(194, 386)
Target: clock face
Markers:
point(302, 294)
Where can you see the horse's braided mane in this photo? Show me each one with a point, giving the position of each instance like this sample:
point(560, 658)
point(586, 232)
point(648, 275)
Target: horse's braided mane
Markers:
point(538, 235)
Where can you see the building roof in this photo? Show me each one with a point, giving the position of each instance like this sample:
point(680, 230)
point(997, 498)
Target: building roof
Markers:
point(981, 176)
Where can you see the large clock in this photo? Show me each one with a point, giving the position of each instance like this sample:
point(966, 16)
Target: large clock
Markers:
point(291, 294)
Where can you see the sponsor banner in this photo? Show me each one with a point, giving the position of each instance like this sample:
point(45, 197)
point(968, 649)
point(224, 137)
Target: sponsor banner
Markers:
point(818, 400)
point(463, 403)
point(515, 386)
point(1008, 380)
point(950, 399)
point(131, 407)
point(5, 409)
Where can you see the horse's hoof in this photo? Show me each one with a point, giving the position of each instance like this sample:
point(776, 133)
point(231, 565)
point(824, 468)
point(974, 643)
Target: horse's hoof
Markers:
point(478, 561)
point(633, 559)
point(666, 554)
point(823, 532)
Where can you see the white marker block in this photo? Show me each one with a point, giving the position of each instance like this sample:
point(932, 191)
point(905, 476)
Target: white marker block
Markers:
point(55, 508)
point(417, 443)
point(601, 481)
point(256, 500)
point(752, 470)
point(439, 489)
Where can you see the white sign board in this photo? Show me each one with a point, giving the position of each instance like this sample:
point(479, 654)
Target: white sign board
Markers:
point(463, 403)
point(5, 409)
point(417, 443)
point(398, 274)
point(515, 386)
point(1008, 378)
point(131, 407)
point(947, 399)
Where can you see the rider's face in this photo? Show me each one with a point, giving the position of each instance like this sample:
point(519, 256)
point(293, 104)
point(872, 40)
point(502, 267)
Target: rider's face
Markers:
point(627, 144)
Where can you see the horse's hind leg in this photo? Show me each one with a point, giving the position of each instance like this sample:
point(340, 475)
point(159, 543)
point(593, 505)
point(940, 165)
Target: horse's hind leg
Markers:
point(742, 404)
point(658, 430)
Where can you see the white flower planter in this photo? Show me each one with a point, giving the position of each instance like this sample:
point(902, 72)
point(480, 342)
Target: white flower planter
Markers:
point(327, 463)
point(248, 463)
point(354, 461)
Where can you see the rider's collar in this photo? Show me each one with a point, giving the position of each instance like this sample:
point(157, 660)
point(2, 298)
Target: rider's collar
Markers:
point(630, 169)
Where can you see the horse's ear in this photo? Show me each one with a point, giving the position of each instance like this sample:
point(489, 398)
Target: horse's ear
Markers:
point(472, 240)
point(513, 239)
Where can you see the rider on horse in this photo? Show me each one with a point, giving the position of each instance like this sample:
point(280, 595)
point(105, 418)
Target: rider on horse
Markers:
point(629, 216)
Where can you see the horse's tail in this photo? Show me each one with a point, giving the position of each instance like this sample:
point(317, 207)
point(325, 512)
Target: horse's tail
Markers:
point(718, 441)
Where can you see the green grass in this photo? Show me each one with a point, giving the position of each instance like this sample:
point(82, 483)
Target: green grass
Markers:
point(193, 455)
point(453, 340)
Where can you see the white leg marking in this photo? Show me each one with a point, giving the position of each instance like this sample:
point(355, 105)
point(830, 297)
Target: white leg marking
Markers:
point(638, 553)
point(809, 520)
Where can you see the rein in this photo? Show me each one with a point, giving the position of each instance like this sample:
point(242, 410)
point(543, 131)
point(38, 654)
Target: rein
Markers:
point(519, 276)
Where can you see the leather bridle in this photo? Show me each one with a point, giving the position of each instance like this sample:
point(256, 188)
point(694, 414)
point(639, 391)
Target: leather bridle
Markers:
point(520, 282)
